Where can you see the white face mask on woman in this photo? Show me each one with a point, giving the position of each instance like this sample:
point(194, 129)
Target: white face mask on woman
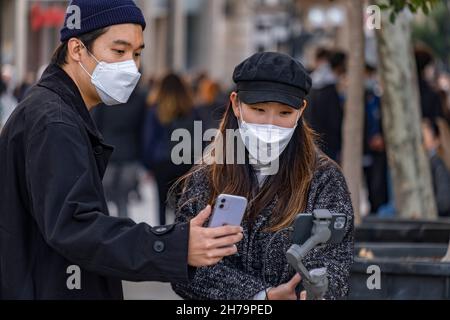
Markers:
point(114, 82)
point(265, 142)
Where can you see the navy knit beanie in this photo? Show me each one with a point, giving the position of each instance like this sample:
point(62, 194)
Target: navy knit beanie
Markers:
point(98, 14)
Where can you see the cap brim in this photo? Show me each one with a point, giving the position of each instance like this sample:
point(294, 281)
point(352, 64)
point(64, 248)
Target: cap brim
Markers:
point(253, 97)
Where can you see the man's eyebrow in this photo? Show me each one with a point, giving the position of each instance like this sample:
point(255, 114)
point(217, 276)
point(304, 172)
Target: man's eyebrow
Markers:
point(122, 42)
point(126, 43)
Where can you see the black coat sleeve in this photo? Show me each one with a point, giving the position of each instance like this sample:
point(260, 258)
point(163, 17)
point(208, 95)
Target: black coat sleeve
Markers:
point(66, 203)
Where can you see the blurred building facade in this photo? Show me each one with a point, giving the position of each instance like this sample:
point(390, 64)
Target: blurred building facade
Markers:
point(212, 36)
point(183, 35)
point(29, 33)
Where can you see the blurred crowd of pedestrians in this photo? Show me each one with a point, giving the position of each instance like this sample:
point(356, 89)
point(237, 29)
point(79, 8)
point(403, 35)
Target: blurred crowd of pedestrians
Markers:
point(141, 130)
point(326, 113)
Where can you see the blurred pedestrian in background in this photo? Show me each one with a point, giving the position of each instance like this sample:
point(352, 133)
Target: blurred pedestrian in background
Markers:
point(325, 114)
point(21, 90)
point(375, 158)
point(173, 109)
point(211, 104)
point(439, 172)
point(430, 100)
point(444, 122)
point(195, 81)
point(7, 100)
point(122, 127)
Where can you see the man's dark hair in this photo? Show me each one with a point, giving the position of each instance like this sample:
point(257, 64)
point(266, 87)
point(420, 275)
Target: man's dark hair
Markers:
point(60, 55)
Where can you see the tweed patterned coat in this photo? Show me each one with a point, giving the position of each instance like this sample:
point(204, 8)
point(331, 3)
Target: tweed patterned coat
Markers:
point(240, 277)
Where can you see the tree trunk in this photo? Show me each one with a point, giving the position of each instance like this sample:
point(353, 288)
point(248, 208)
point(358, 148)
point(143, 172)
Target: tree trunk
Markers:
point(176, 36)
point(354, 111)
point(409, 165)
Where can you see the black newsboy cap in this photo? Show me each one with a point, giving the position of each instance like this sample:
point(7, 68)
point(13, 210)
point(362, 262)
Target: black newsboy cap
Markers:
point(272, 77)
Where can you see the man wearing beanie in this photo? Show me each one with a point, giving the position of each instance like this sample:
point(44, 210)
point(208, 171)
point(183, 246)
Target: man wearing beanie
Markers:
point(57, 240)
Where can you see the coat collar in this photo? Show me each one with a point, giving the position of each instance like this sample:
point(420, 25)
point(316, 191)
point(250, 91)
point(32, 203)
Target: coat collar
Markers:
point(58, 81)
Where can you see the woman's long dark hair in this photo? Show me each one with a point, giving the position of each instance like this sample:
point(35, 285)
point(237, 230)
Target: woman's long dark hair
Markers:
point(290, 185)
point(174, 99)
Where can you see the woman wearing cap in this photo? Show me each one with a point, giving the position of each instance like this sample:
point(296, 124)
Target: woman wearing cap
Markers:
point(293, 177)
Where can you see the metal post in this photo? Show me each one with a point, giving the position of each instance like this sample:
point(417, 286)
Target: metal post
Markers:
point(21, 34)
point(176, 35)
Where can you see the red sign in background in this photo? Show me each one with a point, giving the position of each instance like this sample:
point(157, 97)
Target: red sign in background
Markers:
point(46, 17)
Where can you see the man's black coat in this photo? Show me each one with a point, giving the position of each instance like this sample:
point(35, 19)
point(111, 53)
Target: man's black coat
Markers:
point(54, 219)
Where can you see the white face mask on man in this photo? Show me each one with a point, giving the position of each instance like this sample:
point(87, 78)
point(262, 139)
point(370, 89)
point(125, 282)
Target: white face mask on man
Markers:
point(114, 82)
point(265, 142)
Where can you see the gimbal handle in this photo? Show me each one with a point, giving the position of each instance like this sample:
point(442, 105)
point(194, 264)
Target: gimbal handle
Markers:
point(316, 281)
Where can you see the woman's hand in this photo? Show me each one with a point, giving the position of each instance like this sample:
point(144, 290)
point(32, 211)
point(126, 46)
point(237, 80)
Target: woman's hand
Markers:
point(208, 246)
point(287, 291)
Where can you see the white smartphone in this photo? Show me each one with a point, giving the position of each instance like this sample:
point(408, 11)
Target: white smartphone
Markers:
point(228, 210)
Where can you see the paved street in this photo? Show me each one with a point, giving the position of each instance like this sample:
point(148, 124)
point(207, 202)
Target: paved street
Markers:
point(146, 211)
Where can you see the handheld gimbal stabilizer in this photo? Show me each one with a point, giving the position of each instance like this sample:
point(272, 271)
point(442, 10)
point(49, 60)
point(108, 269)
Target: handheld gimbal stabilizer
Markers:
point(314, 281)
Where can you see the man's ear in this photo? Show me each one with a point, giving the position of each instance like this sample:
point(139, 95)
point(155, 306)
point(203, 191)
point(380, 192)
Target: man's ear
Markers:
point(74, 50)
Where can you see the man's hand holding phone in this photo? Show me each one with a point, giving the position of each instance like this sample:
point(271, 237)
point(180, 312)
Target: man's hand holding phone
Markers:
point(208, 246)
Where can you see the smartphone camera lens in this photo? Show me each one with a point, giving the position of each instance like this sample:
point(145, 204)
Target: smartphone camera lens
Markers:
point(223, 200)
point(221, 206)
